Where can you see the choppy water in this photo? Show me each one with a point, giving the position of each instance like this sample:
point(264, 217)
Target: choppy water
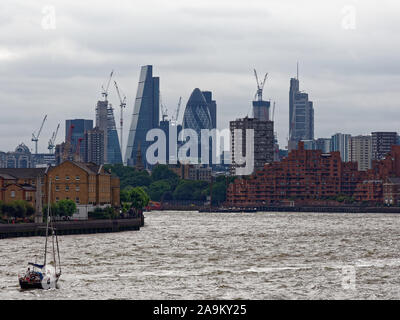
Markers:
point(190, 255)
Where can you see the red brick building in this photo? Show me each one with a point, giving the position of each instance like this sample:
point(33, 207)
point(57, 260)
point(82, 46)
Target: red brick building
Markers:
point(312, 176)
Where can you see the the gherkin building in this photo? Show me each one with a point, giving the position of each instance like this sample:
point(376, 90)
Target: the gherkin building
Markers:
point(197, 114)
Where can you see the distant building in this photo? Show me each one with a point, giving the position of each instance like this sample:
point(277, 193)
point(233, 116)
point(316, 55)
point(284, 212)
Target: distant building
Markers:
point(212, 107)
point(87, 184)
point(309, 144)
point(360, 151)
point(20, 158)
point(263, 142)
point(2, 159)
point(114, 155)
point(146, 114)
point(323, 144)
point(94, 146)
point(301, 115)
point(340, 142)
point(192, 171)
point(382, 143)
point(76, 128)
point(197, 117)
point(43, 160)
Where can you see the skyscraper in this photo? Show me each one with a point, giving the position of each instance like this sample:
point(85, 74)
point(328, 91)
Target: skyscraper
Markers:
point(114, 155)
point(263, 142)
point(360, 151)
point(212, 106)
point(340, 142)
point(197, 116)
point(102, 122)
point(301, 115)
point(146, 114)
point(78, 127)
point(94, 146)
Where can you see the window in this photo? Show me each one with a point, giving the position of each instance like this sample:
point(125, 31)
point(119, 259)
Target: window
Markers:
point(57, 199)
point(12, 194)
point(57, 178)
point(66, 177)
point(77, 200)
point(77, 188)
point(77, 178)
point(66, 188)
point(57, 188)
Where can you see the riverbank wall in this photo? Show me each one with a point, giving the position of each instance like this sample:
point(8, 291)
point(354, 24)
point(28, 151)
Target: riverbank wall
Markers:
point(333, 209)
point(70, 227)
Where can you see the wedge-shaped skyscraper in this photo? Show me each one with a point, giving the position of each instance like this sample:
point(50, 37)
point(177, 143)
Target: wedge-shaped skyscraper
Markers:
point(146, 114)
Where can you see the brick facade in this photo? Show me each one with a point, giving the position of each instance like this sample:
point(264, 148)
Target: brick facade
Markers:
point(310, 175)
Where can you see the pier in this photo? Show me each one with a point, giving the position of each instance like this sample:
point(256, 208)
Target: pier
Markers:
point(70, 227)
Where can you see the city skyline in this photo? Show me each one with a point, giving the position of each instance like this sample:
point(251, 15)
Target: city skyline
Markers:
point(60, 71)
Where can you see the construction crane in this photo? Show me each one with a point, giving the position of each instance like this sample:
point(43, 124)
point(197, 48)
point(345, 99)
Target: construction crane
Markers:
point(77, 156)
point(53, 140)
point(164, 110)
point(122, 105)
point(176, 115)
point(105, 90)
point(260, 86)
point(35, 137)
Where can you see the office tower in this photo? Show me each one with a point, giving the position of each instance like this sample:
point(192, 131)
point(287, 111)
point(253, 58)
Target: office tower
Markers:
point(168, 127)
point(360, 151)
point(77, 128)
point(212, 106)
point(340, 142)
point(263, 143)
point(382, 143)
point(197, 117)
point(323, 144)
point(94, 146)
point(146, 114)
point(113, 147)
point(102, 122)
point(301, 115)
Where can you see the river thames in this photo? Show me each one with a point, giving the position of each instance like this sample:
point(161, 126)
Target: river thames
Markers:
point(191, 255)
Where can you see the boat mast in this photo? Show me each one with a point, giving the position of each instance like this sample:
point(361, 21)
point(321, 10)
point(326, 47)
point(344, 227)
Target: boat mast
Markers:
point(47, 222)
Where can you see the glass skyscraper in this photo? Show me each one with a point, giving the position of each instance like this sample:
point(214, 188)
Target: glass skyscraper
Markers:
point(146, 115)
point(80, 126)
point(197, 116)
point(113, 148)
point(301, 115)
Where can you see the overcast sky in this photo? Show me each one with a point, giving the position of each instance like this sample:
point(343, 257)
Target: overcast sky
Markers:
point(348, 53)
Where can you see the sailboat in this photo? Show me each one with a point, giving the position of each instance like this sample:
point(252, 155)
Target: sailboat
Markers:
point(46, 275)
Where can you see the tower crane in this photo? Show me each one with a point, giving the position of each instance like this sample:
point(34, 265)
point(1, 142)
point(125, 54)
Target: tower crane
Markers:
point(35, 137)
point(122, 105)
point(260, 86)
point(176, 115)
point(104, 93)
point(164, 110)
point(53, 140)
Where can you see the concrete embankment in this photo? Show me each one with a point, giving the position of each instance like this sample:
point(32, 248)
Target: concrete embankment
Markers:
point(333, 209)
point(70, 227)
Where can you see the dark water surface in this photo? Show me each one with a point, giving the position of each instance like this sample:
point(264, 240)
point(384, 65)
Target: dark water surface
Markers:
point(190, 255)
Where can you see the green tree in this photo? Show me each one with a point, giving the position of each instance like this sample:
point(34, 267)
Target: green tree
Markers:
point(139, 198)
point(162, 172)
point(66, 207)
point(20, 208)
point(158, 188)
